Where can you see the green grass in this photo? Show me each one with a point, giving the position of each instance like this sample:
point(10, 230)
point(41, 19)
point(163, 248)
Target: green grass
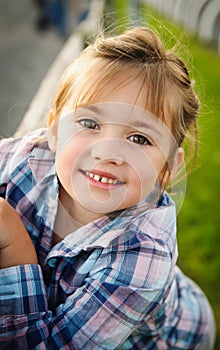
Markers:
point(199, 218)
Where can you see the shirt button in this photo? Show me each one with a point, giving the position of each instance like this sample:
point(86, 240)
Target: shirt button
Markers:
point(52, 262)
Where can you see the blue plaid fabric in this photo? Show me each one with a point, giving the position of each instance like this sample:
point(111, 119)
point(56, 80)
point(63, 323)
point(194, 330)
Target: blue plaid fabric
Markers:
point(111, 284)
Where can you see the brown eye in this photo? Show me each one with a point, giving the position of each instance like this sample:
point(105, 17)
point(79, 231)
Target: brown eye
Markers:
point(139, 139)
point(89, 124)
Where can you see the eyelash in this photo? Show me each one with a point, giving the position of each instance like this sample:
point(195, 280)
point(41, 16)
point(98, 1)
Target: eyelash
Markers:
point(144, 140)
point(91, 121)
point(136, 138)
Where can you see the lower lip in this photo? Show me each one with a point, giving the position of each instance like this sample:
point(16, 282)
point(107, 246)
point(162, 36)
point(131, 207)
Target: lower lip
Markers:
point(101, 185)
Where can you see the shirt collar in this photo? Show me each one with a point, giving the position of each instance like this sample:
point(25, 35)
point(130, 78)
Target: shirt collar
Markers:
point(109, 231)
point(45, 192)
point(42, 164)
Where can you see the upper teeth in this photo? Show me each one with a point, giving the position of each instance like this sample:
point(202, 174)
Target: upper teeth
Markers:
point(101, 178)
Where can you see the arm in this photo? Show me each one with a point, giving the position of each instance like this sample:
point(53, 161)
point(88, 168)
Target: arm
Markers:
point(110, 305)
point(16, 247)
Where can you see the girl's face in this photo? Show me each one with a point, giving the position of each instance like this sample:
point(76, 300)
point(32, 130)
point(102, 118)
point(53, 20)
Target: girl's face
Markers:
point(109, 155)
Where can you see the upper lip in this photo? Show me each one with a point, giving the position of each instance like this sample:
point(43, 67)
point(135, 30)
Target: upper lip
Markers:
point(103, 174)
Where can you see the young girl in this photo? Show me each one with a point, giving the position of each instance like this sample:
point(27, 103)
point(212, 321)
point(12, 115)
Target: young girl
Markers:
point(88, 233)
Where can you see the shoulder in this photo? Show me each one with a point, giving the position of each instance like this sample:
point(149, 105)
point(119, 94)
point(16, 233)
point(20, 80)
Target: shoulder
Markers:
point(10, 146)
point(154, 227)
point(15, 152)
point(145, 246)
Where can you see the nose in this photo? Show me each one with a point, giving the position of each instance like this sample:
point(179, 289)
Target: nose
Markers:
point(108, 151)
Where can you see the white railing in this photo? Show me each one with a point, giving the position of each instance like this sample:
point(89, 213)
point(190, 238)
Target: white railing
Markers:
point(201, 17)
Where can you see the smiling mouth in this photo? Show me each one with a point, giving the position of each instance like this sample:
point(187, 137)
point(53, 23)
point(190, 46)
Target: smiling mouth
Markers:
point(102, 179)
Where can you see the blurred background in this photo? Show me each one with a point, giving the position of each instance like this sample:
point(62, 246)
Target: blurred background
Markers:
point(31, 36)
point(25, 56)
point(31, 39)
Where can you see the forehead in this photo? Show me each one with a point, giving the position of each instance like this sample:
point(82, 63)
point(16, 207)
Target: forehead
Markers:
point(126, 87)
point(108, 84)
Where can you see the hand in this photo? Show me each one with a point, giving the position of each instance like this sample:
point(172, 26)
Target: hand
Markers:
point(16, 247)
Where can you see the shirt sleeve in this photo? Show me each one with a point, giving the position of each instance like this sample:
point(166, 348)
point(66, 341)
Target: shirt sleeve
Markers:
point(101, 314)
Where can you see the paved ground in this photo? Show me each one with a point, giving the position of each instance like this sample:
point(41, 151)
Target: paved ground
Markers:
point(25, 56)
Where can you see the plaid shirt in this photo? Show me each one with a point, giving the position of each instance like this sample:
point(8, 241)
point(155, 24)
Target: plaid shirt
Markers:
point(111, 284)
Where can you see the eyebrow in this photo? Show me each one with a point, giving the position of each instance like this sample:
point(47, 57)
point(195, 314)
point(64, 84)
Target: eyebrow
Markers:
point(142, 124)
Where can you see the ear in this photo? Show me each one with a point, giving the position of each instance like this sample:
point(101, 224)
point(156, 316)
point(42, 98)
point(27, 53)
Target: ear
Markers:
point(178, 161)
point(171, 172)
point(52, 133)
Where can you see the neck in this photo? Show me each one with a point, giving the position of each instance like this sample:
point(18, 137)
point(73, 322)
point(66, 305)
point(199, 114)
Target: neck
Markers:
point(78, 213)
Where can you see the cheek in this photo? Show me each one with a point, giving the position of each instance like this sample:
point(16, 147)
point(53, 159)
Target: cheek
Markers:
point(66, 162)
point(146, 166)
point(141, 182)
point(144, 172)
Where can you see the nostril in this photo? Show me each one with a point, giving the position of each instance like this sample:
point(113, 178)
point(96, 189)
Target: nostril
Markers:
point(110, 160)
point(108, 153)
point(117, 161)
